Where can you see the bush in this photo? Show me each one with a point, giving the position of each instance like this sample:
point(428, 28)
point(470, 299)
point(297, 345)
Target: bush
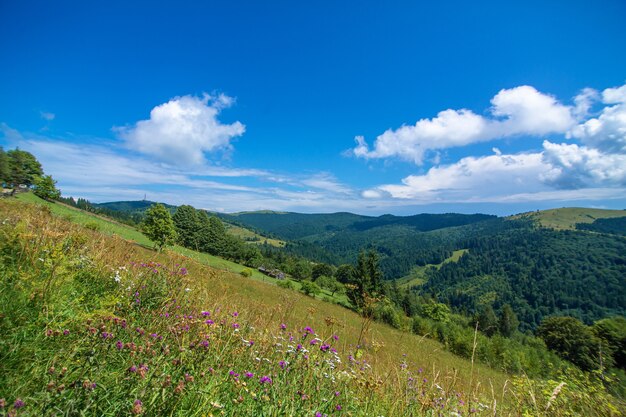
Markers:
point(285, 284)
point(310, 288)
point(246, 273)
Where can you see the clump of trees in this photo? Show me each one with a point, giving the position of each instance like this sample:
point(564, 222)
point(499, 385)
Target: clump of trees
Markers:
point(198, 231)
point(18, 167)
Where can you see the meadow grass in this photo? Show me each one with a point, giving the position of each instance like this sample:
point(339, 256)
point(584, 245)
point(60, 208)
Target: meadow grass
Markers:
point(95, 325)
point(111, 227)
point(567, 218)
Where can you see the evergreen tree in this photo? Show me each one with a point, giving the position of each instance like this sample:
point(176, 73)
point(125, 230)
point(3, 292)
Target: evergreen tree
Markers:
point(158, 226)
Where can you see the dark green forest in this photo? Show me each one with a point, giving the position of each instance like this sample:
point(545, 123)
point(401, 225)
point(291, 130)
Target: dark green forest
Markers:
point(540, 272)
point(615, 225)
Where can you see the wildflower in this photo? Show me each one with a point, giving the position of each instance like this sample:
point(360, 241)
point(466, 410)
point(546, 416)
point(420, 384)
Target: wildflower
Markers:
point(338, 407)
point(335, 337)
point(132, 369)
point(282, 364)
point(140, 330)
point(251, 343)
point(313, 342)
point(3, 403)
point(210, 322)
point(18, 404)
point(283, 326)
point(299, 347)
point(119, 345)
point(249, 374)
point(324, 347)
point(235, 325)
point(308, 330)
point(183, 271)
point(235, 314)
point(206, 313)
point(337, 393)
point(265, 380)
point(106, 335)
point(66, 332)
point(137, 407)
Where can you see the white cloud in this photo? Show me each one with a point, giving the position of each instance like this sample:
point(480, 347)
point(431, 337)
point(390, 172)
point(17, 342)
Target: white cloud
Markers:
point(583, 102)
point(574, 166)
point(515, 111)
point(180, 131)
point(499, 177)
point(607, 131)
point(472, 178)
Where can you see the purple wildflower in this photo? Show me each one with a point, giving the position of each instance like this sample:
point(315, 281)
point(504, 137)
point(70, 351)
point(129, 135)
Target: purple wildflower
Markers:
point(18, 404)
point(209, 322)
point(235, 325)
point(282, 364)
point(324, 348)
point(283, 326)
point(249, 374)
point(119, 345)
point(66, 332)
point(206, 313)
point(132, 369)
point(265, 380)
point(235, 314)
point(338, 407)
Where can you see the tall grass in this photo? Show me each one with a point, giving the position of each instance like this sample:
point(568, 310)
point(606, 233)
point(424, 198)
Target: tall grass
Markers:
point(94, 325)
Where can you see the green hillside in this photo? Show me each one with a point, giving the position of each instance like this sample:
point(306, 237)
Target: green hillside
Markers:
point(568, 218)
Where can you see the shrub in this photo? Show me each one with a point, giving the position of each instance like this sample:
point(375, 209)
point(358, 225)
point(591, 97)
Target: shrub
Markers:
point(246, 273)
point(310, 288)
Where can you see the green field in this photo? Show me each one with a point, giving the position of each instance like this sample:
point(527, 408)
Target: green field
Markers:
point(418, 273)
point(131, 234)
point(567, 218)
point(252, 237)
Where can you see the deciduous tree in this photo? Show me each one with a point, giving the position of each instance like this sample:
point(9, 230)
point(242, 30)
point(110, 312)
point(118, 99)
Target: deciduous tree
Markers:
point(158, 226)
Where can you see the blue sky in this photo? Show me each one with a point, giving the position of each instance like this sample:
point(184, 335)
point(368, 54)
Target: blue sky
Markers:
point(409, 107)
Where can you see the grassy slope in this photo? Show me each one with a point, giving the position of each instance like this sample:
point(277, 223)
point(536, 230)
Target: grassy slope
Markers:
point(388, 347)
point(566, 218)
point(417, 275)
point(244, 233)
point(111, 227)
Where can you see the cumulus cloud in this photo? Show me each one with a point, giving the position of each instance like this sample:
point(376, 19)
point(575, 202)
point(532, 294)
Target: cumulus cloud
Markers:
point(573, 166)
point(500, 177)
point(180, 131)
point(471, 178)
point(515, 111)
point(607, 131)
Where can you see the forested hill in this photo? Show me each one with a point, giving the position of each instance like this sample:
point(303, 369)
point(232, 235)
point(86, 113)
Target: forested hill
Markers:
point(130, 206)
point(538, 271)
point(298, 226)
